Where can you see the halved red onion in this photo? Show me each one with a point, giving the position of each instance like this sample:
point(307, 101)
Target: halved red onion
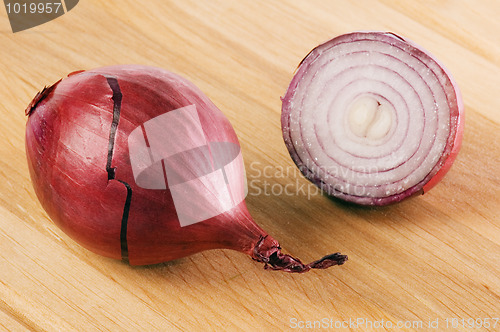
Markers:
point(372, 118)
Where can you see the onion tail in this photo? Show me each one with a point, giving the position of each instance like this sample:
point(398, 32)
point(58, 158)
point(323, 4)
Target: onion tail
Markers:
point(269, 252)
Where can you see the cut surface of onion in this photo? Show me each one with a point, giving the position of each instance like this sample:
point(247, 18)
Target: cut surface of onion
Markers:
point(372, 118)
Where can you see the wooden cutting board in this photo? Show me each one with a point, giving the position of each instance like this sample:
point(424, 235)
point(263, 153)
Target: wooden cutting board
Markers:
point(429, 262)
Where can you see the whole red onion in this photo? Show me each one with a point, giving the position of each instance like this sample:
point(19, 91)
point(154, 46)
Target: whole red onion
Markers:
point(372, 118)
point(136, 163)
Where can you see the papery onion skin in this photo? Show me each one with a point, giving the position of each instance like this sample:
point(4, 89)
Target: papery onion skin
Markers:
point(78, 158)
point(290, 109)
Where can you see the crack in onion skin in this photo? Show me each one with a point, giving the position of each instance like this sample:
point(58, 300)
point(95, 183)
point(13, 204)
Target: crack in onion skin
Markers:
point(372, 118)
point(78, 158)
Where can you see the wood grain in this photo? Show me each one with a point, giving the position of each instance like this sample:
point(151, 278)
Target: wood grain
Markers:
point(429, 258)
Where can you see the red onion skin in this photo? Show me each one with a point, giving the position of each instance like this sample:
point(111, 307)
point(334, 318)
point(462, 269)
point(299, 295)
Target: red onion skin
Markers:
point(67, 140)
point(441, 167)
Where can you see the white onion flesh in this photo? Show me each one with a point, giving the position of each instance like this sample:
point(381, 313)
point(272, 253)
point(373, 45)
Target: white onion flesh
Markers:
point(371, 118)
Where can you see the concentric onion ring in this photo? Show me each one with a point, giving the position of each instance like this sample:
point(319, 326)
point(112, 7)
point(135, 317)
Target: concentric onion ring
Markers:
point(372, 118)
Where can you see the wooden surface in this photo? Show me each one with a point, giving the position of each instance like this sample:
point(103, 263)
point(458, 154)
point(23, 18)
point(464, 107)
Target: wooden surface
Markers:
point(434, 257)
